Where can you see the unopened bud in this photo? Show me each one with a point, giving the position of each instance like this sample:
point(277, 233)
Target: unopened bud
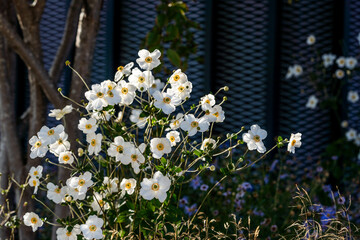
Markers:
point(226, 88)
point(80, 152)
point(67, 62)
point(225, 98)
point(59, 89)
point(212, 168)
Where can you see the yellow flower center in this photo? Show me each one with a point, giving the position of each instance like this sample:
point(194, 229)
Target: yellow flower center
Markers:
point(124, 90)
point(298, 69)
point(181, 89)
point(160, 146)
point(194, 124)
point(110, 94)
point(128, 185)
point(154, 85)
point(176, 122)
point(101, 203)
point(207, 101)
point(36, 173)
point(120, 68)
point(99, 94)
point(293, 142)
point(176, 78)
point(216, 114)
point(51, 132)
point(166, 100)
point(141, 79)
point(134, 157)
point(120, 149)
point(172, 138)
point(66, 158)
point(88, 126)
point(81, 182)
point(68, 234)
point(38, 144)
point(34, 183)
point(155, 187)
point(148, 59)
point(33, 220)
point(57, 190)
point(93, 142)
point(92, 228)
point(257, 138)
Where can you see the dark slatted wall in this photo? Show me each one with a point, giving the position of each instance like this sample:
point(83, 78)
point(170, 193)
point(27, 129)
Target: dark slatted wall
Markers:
point(299, 20)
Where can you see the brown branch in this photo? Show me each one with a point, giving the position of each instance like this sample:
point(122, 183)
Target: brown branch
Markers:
point(67, 40)
point(42, 77)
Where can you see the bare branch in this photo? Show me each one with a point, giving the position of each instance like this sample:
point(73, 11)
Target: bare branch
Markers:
point(67, 41)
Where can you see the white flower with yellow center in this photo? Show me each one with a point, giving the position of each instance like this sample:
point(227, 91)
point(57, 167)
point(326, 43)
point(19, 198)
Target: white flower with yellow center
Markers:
point(36, 172)
point(159, 147)
point(157, 85)
point(118, 148)
point(128, 185)
point(38, 148)
point(31, 219)
point(73, 193)
point(192, 125)
point(328, 59)
point(81, 183)
point(64, 234)
point(312, 102)
point(136, 118)
point(339, 74)
point(50, 135)
point(112, 95)
point(353, 96)
point(208, 144)
point(61, 145)
point(87, 125)
point(96, 97)
point(351, 63)
point(134, 157)
point(155, 187)
point(111, 184)
point(217, 113)
point(295, 141)
point(66, 157)
point(166, 102)
point(34, 182)
point(175, 123)
point(174, 137)
point(60, 113)
point(310, 40)
point(178, 77)
point(55, 193)
point(142, 80)
point(254, 138)
point(148, 60)
point(94, 141)
point(298, 70)
point(99, 204)
point(340, 61)
point(123, 71)
point(92, 228)
point(127, 92)
point(351, 134)
point(207, 102)
point(181, 90)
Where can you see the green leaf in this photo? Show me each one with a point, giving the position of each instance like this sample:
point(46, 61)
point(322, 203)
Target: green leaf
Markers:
point(153, 38)
point(161, 20)
point(174, 57)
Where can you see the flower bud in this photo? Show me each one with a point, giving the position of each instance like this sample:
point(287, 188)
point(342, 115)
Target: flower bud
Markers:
point(80, 152)
point(212, 168)
point(226, 88)
point(67, 62)
point(225, 98)
point(59, 90)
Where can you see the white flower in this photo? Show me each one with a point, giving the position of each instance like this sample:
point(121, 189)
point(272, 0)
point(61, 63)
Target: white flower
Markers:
point(157, 85)
point(166, 102)
point(155, 187)
point(351, 134)
point(351, 63)
point(74, 192)
point(134, 156)
point(312, 102)
point(127, 92)
point(254, 138)
point(290, 72)
point(87, 125)
point(135, 118)
point(207, 102)
point(111, 184)
point(141, 80)
point(66, 157)
point(310, 40)
point(341, 61)
point(328, 59)
point(118, 148)
point(81, 183)
point(178, 77)
point(344, 124)
point(294, 142)
point(112, 95)
point(60, 113)
point(95, 143)
point(96, 97)
point(159, 147)
point(34, 182)
point(339, 74)
point(49, 136)
point(175, 123)
point(38, 149)
point(353, 96)
point(181, 90)
point(174, 137)
point(36, 172)
point(55, 193)
point(192, 125)
point(217, 113)
point(128, 185)
point(148, 60)
point(92, 228)
point(208, 144)
point(64, 234)
point(119, 117)
point(61, 145)
point(123, 71)
point(33, 220)
point(297, 70)
point(98, 204)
